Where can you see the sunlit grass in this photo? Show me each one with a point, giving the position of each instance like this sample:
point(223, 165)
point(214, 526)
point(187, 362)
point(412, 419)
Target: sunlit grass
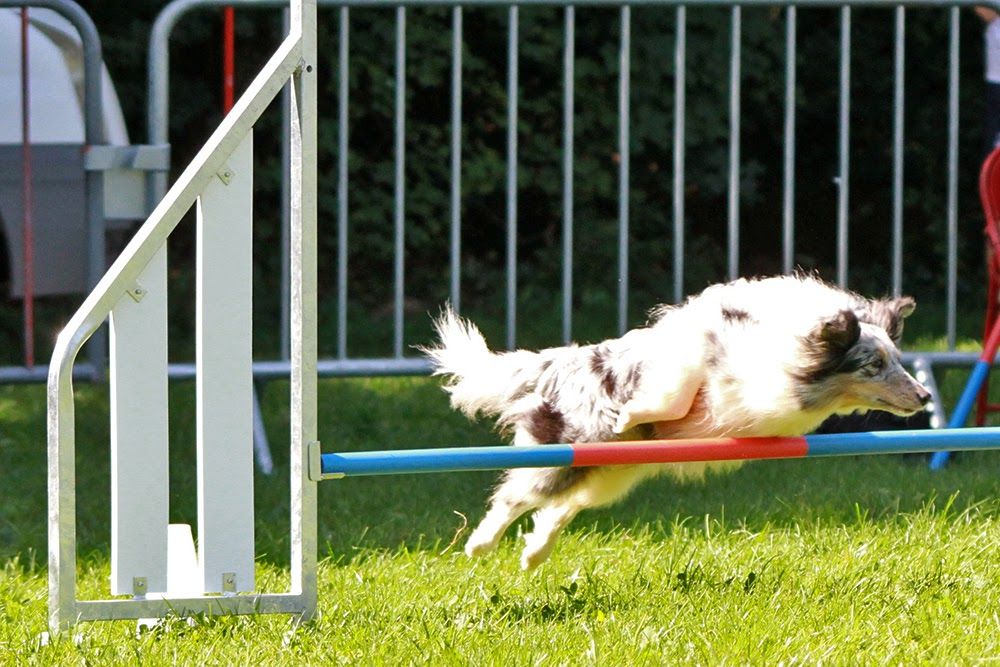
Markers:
point(842, 561)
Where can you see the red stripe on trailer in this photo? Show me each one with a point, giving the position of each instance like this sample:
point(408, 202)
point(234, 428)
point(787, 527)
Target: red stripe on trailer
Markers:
point(715, 449)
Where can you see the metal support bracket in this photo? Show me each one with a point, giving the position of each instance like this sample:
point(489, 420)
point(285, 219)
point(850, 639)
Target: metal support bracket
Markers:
point(137, 292)
point(316, 473)
point(226, 175)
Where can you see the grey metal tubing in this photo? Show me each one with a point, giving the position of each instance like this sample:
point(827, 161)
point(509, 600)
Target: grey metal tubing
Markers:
point(286, 175)
point(400, 185)
point(158, 68)
point(788, 206)
point(261, 448)
point(92, 62)
point(680, 109)
point(93, 135)
point(343, 129)
point(735, 63)
point(569, 58)
point(456, 159)
point(843, 133)
point(897, 151)
point(952, 298)
point(624, 81)
point(512, 83)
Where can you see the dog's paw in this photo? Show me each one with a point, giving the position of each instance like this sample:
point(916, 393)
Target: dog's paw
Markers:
point(622, 423)
point(479, 545)
point(536, 550)
point(533, 557)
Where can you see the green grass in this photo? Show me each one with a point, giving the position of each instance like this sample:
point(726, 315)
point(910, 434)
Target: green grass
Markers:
point(840, 561)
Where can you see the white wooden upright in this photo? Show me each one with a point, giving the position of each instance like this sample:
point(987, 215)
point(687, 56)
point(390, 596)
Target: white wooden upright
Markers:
point(139, 453)
point(225, 376)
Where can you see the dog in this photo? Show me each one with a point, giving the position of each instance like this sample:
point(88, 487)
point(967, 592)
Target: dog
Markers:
point(753, 357)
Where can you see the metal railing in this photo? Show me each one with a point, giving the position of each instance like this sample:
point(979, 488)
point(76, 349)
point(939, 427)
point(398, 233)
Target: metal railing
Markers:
point(397, 363)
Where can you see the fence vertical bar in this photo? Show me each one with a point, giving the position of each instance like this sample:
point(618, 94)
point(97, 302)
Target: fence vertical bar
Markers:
point(27, 205)
point(512, 84)
point(624, 81)
point(844, 144)
point(952, 299)
point(400, 183)
point(303, 415)
point(734, 140)
point(897, 151)
point(456, 158)
point(343, 129)
point(680, 108)
point(569, 58)
point(791, 51)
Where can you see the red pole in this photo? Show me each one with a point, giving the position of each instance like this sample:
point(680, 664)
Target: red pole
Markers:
point(228, 58)
point(28, 241)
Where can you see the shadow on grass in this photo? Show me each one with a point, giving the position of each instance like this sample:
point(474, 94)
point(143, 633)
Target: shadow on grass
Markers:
point(358, 516)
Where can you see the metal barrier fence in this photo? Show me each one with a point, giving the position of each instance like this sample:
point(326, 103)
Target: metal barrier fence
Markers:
point(93, 114)
point(342, 364)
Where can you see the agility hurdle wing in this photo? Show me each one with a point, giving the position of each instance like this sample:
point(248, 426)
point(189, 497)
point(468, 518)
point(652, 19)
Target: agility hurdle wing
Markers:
point(151, 561)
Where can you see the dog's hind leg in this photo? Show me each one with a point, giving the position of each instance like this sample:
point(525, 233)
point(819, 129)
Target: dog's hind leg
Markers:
point(549, 521)
point(487, 534)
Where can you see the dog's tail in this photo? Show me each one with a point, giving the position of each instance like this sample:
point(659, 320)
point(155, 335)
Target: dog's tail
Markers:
point(479, 380)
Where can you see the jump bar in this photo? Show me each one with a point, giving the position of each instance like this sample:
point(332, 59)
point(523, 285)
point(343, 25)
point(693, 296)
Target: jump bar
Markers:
point(455, 459)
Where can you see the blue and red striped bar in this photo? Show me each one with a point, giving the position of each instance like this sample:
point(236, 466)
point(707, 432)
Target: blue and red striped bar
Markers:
point(454, 459)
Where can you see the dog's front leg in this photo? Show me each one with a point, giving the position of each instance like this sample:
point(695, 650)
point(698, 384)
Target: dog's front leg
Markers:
point(665, 397)
point(671, 361)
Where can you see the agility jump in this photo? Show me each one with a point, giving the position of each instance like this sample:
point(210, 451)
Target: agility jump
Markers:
point(580, 455)
point(133, 295)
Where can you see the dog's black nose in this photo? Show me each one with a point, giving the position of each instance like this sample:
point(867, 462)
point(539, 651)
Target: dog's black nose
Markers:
point(923, 395)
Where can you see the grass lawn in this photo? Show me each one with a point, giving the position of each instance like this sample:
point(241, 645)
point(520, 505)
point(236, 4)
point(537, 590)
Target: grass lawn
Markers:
point(839, 561)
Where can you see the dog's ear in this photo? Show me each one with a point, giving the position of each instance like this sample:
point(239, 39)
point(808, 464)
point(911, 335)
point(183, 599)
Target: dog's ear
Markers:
point(838, 333)
point(825, 348)
point(889, 314)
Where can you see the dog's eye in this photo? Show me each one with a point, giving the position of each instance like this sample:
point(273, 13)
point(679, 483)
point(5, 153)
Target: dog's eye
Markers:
point(877, 364)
